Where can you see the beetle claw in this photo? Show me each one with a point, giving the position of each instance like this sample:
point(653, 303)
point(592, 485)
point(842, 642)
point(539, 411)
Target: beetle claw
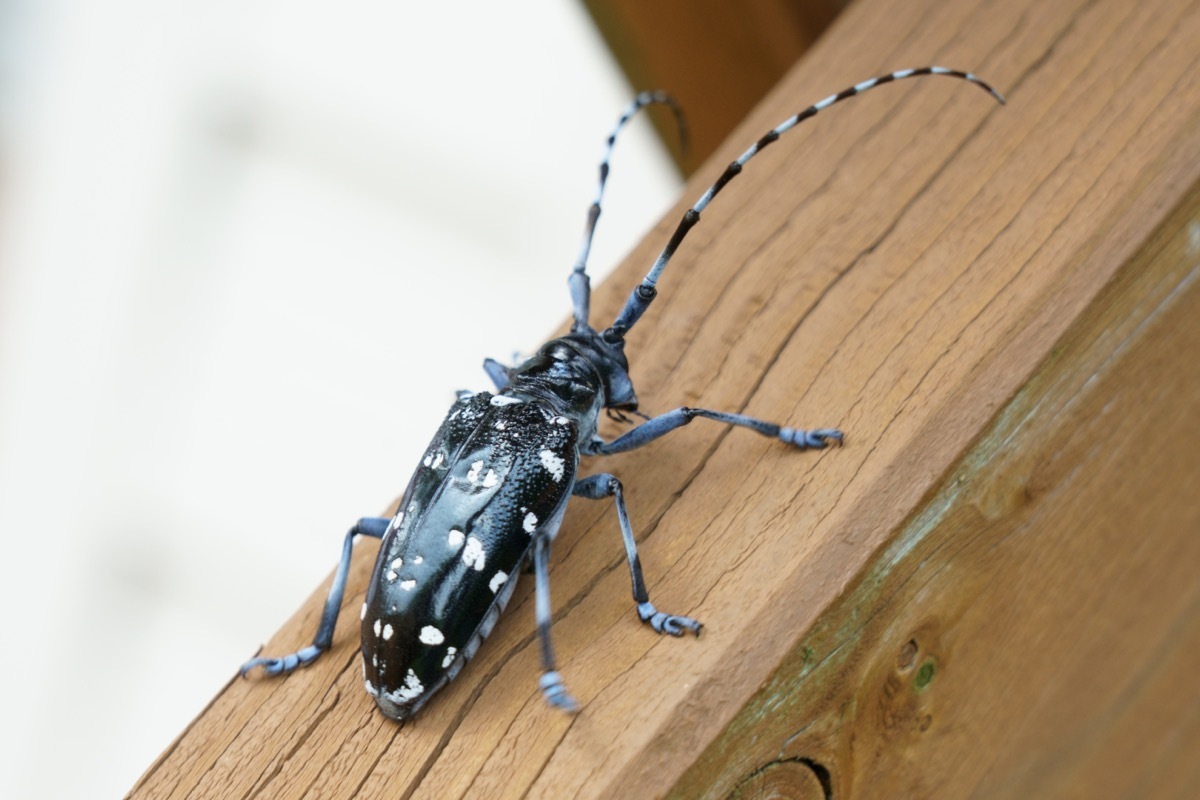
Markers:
point(667, 623)
point(279, 666)
point(556, 693)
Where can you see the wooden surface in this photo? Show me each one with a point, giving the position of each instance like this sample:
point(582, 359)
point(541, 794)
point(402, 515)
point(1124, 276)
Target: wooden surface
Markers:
point(989, 591)
point(717, 58)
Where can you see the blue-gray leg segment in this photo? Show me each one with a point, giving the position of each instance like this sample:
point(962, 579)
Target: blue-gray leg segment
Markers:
point(551, 682)
point(665, 423)
point(497, 372)
point(595, 487)
point(374, 527)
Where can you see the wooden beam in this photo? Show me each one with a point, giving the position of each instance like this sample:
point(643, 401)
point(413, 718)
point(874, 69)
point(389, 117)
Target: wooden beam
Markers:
point(989, 590)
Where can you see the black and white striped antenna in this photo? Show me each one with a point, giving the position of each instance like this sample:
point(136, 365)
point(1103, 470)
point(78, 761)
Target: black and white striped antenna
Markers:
point(579, 283)
point(644, 293)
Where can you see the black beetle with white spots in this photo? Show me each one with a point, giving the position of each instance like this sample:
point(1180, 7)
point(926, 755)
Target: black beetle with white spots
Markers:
point(489, 494)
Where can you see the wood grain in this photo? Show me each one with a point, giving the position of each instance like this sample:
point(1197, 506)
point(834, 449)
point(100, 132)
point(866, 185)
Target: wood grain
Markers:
point(988, 591)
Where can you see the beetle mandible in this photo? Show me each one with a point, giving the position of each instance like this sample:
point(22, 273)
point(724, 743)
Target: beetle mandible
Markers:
point(490, 492)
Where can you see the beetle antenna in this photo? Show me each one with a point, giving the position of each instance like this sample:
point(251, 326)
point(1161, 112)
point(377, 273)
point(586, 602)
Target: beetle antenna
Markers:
point(579, 283)
point(643, 294)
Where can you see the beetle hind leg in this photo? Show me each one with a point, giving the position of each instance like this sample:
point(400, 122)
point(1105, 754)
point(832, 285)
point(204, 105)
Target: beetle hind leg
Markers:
point(601, 485)
point(374, 527)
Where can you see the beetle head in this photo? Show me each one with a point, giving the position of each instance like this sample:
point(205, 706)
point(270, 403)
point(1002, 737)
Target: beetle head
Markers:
point(608, 359)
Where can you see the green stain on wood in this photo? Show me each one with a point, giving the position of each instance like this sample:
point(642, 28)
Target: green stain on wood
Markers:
point(924, 676)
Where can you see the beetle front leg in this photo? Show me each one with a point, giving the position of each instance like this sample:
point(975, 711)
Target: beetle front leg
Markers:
point(375, 527)
point(595, 487)
point(551, 682)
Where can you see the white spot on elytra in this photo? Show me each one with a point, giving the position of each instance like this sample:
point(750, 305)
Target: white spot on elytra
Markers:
point(498, 580)
point(561, 420)
point(500, 425)
point(363, 614)
point(473, 473)
point(530, 523)
point(391, 576)
point(411, 689)
point(455, 539)
point(473, 554)
point(408, 586)
point(553, 464)
point(437, 461)
point(387, 631)
point(450, 651)
point(378, 627)
point(431, 635)
point(418, 560)
point(428, 460)
point(397, 520)
point(371, 690)
point(490, 479)
point(504, 400)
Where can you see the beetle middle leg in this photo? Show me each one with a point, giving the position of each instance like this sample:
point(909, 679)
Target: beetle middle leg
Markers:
point(375, 527)
point(595, 487)
point(551, 682)
point(665, 423)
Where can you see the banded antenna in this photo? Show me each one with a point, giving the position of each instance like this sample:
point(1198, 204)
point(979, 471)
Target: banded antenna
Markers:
point(643, 294)
point(579, 283)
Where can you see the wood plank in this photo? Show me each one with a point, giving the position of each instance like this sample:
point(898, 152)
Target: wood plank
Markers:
point(920, 268)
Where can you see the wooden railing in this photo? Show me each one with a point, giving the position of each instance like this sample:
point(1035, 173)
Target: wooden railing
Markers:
point(990, 590)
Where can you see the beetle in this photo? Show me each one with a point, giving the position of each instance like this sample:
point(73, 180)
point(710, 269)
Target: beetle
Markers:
point(490, 491)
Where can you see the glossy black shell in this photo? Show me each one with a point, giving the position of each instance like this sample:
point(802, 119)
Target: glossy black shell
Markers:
point(498, 470)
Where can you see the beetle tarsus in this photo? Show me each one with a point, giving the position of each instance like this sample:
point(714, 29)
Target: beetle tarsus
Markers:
point(815, 439)
point(556, 693)
point(283, 664)
point(671, 624)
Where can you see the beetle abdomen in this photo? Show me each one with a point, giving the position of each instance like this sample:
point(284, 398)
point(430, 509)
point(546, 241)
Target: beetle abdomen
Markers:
point(498, 471)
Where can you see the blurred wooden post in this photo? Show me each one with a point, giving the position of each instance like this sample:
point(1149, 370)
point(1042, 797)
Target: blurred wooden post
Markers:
point(990, 590)
point(719, 59)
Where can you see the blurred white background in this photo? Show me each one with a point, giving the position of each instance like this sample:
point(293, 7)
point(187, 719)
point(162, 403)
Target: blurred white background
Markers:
point(247, 252)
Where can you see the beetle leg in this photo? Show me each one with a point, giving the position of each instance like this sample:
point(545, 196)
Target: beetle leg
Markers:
point(665, 423)
point(374, 527)
point(497, 372)
point(551, 682)
point(601, 485)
